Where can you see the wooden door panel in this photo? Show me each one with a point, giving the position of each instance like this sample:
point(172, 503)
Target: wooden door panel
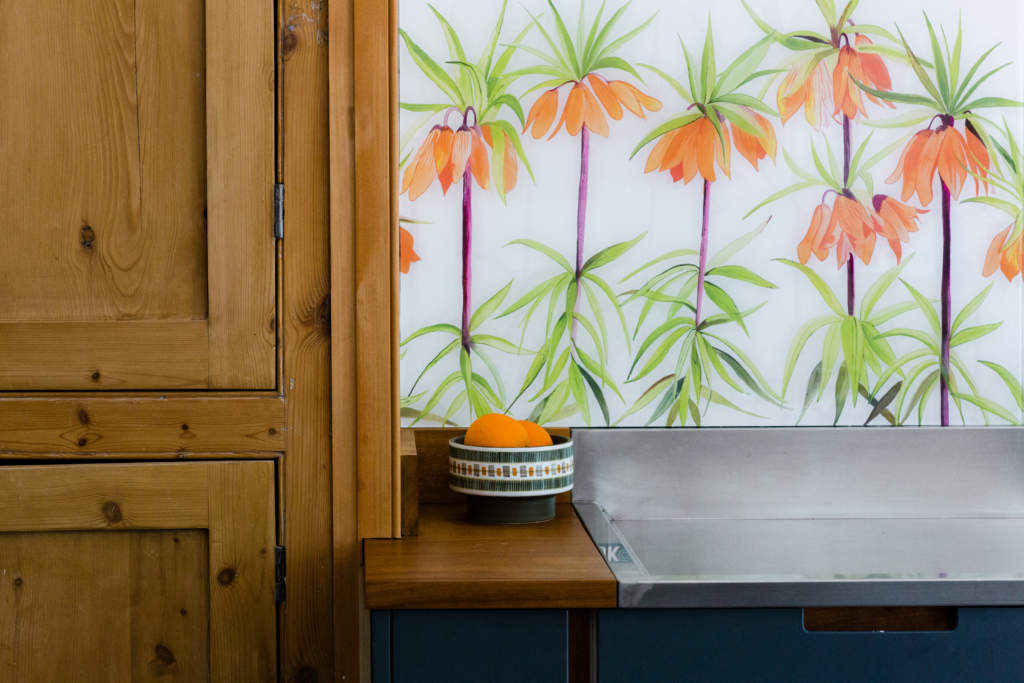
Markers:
point(99, 606)
point(137, 572)
point(137, 149)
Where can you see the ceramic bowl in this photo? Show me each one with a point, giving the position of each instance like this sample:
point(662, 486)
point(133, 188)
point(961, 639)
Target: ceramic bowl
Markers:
point(511, 485)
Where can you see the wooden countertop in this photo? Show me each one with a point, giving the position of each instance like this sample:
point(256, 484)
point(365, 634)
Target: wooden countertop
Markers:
point(456, 564)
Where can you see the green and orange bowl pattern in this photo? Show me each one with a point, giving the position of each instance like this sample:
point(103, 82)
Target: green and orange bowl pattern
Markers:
point(510, 472)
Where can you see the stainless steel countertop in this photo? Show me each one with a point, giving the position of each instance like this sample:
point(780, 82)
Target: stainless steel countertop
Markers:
point(806, 517)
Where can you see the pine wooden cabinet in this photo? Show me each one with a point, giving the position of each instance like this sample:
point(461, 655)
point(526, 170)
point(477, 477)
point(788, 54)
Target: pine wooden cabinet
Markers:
point(138, 572)
point(136, 183)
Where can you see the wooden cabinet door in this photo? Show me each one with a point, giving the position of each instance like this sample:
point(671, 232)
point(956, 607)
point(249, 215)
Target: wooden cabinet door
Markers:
point(138, 572)
point(136, 189)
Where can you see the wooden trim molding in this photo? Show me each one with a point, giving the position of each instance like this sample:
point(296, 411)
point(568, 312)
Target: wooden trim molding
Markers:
point(62, 426)
point(373, 80)
point(306, 616)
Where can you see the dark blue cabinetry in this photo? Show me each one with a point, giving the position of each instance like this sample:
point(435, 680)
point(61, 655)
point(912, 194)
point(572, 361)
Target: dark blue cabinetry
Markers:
point(471, 646)
point(710, 645)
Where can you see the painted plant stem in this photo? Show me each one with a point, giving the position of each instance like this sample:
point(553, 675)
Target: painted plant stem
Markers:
point(946, 307)
point(703, 253)
point(581, 219)
point(467, 253)
point(851, 288)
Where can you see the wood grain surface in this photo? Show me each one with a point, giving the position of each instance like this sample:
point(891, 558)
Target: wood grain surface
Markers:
point(306, 618)
point(138, 572)
point(455, 564)
point(240, 83)
point(62, 426)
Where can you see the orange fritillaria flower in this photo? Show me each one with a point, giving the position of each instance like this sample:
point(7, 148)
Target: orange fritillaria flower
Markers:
point(445, 154)
point(696, 147)
point(587, 104)
point(851, 228)
point(865, 67)
point(945, 150)
point(755, 147)
point(1009, 260)
point(406, 255)
point(895, 221)
point(810, 90)
point(817, 91)
point(510, 167)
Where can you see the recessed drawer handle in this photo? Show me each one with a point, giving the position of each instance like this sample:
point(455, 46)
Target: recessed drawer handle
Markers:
point(859, 619)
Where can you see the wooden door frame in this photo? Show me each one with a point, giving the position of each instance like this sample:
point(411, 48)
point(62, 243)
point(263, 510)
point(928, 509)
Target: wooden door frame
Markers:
point(233, 501)
point(364, 306)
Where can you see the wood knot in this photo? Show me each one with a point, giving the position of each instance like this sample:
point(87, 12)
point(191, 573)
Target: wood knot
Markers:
point(184, 427)
point(112, 512)
point(164, 654)
point(183, 612)
point(323, 315)
point(83, 416)
point(289, 42)
point(18, 582)
point(87, 236)
point(226, 576)
point(272, 432)
point(95, 376)
point(82, 442)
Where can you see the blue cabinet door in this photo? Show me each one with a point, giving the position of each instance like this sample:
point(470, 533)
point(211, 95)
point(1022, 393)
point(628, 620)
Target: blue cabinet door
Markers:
point(709, 645)
point(478, 646)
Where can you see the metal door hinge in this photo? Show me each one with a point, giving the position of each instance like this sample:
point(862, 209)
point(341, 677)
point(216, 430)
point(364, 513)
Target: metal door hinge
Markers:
point(279, 573)
point(279, 211)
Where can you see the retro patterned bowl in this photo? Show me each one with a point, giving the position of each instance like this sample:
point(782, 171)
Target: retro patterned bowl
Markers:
point(511, 485)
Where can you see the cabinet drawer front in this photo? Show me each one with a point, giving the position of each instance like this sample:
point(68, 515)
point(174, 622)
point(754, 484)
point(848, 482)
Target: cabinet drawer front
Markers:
point(642, 645)
point(494, 646)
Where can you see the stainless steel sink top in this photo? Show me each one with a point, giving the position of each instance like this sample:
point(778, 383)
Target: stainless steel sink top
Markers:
point(800, 517)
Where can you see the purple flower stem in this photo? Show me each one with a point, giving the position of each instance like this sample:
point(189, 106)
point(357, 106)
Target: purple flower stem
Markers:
point(947, 300)
point(581, 220)
point(851, 289)
point(703, 253)
point(467, 251)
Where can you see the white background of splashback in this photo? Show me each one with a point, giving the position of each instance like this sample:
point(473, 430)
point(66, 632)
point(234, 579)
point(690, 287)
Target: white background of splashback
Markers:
point(624, 202)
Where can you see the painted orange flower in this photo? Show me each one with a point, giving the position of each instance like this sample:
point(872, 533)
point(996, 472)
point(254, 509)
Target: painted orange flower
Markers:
point(587, 104)
point(1007, 258)
point(446, 155)
point(895, 221)
point(406, 255)
point(696, 147)
point(817, 91)
point(853, 229)
point(945, 150)
point(510, 164)
point(810, 90)
point(753, 148)
point(864, 67)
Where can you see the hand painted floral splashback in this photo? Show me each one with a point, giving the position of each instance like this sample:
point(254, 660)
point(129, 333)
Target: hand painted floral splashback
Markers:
point(740, 212)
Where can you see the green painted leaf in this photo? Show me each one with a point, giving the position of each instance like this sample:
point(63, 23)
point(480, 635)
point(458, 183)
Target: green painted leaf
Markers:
point(546, 250)
point(488, 308)
point(823, 289)
point(1011, 381)
point(609, 254)
point(969, 334)
point(430, 329)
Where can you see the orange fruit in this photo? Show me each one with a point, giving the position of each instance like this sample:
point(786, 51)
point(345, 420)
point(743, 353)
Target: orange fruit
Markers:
point(535, 434)
point(495, 430)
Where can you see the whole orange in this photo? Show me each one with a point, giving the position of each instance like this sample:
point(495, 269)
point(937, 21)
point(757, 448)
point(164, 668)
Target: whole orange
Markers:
point(495, 430)
point(535, 434)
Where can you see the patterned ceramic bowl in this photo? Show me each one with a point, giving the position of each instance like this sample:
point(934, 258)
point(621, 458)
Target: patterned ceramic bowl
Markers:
point(511, 485)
